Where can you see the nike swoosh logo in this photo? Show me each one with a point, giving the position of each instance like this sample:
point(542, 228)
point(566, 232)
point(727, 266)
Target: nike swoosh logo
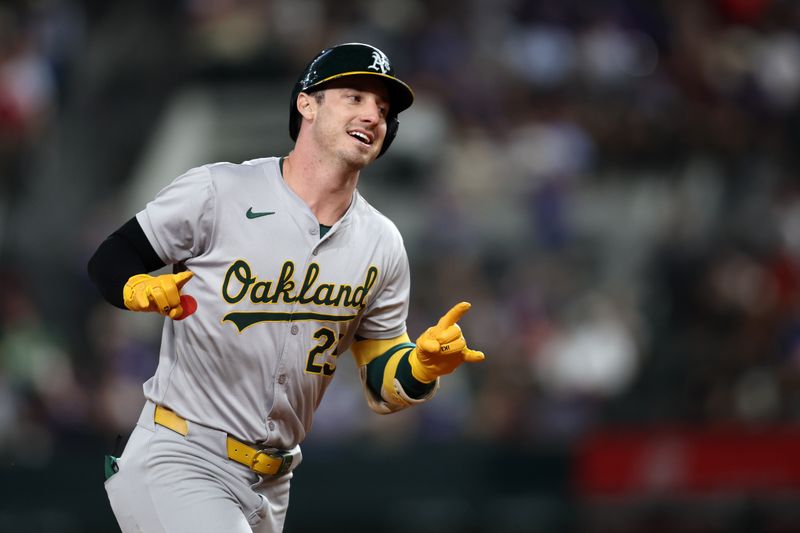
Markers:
point(257, 214)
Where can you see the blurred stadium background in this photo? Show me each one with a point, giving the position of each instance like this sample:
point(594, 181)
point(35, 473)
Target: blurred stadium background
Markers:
point(613, 184)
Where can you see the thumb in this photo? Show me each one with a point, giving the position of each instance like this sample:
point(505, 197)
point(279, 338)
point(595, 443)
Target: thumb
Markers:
point(472, 356)
point(181, 278)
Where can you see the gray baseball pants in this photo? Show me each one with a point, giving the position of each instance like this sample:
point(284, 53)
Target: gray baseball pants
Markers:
point(168, 483)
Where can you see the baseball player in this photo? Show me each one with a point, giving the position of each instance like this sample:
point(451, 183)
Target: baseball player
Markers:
point(280, 266)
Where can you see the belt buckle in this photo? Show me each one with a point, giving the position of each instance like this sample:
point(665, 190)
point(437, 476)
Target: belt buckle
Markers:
point(283, 456)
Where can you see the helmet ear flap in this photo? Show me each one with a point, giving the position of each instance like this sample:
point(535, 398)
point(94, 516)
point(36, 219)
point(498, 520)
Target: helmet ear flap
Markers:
point(294, 115)
point(392, 124)
point(294, 124)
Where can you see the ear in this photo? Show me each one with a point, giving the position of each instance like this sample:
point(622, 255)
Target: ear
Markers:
point(306, 106)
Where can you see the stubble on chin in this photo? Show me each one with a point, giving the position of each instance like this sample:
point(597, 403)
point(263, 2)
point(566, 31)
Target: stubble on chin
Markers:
point(350, 156)
point(356, 159)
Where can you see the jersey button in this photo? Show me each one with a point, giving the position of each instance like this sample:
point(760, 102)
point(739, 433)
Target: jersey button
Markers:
point(313, 231)
point(315, 252)
point(294, 330)
point(282, 379)
point(271, 425)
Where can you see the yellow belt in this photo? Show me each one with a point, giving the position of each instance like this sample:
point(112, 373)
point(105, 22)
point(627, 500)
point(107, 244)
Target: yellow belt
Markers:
point(269, 461)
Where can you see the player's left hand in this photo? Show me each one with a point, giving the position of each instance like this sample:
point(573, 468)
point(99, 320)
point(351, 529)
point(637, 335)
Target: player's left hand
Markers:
point(442, 348)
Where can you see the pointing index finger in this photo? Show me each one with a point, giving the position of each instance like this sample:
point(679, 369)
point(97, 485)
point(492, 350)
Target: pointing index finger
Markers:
point(453, 315)
point(181, 278)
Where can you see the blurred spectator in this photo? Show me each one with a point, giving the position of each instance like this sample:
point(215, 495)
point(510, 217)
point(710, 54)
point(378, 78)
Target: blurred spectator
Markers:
point(37, 370)
point(27, 94)
point(612, 186)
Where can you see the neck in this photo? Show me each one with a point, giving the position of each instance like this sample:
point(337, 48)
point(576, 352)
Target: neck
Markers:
point(326, 189)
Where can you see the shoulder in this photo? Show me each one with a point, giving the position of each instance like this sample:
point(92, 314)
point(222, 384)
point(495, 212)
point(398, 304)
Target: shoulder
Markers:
point(370, 220)
point(245, 175)
point(251, 168)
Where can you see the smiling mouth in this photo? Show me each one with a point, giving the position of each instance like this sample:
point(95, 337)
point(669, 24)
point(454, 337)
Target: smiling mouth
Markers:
point(361, 137)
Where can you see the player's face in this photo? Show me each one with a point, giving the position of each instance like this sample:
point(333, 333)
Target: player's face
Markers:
point(351, 119)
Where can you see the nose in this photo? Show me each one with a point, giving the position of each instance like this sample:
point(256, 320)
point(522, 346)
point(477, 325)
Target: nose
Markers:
point(371, 111)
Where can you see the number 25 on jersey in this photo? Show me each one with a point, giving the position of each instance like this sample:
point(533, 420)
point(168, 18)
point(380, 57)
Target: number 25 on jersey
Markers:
point(327, 338)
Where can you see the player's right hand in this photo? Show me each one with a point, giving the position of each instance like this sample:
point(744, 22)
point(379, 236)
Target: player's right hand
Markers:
point(159, 294)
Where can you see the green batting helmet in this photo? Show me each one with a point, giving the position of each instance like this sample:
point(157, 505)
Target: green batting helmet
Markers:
point(352, 59)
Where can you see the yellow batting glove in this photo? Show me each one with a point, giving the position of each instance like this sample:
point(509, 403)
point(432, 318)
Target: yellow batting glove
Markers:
point(160, 294)
point(442, 348)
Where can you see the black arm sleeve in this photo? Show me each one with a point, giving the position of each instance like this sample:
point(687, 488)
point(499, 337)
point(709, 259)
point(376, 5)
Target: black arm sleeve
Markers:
point(124, 253)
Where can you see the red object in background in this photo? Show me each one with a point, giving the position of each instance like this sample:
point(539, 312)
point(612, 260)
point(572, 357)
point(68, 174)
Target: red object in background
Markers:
point(688, 462)
point(786, 275)
point(743, 11)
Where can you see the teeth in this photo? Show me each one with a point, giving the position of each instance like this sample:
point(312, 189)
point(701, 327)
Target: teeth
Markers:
point(360, 136)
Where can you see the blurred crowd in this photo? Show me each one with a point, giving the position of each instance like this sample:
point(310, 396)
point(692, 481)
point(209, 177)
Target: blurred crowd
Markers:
point(612, 184)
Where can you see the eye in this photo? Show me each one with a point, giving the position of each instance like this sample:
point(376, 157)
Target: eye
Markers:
point(353, 97)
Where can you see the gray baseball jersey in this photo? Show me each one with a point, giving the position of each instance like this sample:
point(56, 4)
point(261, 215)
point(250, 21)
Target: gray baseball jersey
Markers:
point(276, 303)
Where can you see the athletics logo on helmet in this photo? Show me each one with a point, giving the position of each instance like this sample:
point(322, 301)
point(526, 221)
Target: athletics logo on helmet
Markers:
point(352, 59)
point(380, 62)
